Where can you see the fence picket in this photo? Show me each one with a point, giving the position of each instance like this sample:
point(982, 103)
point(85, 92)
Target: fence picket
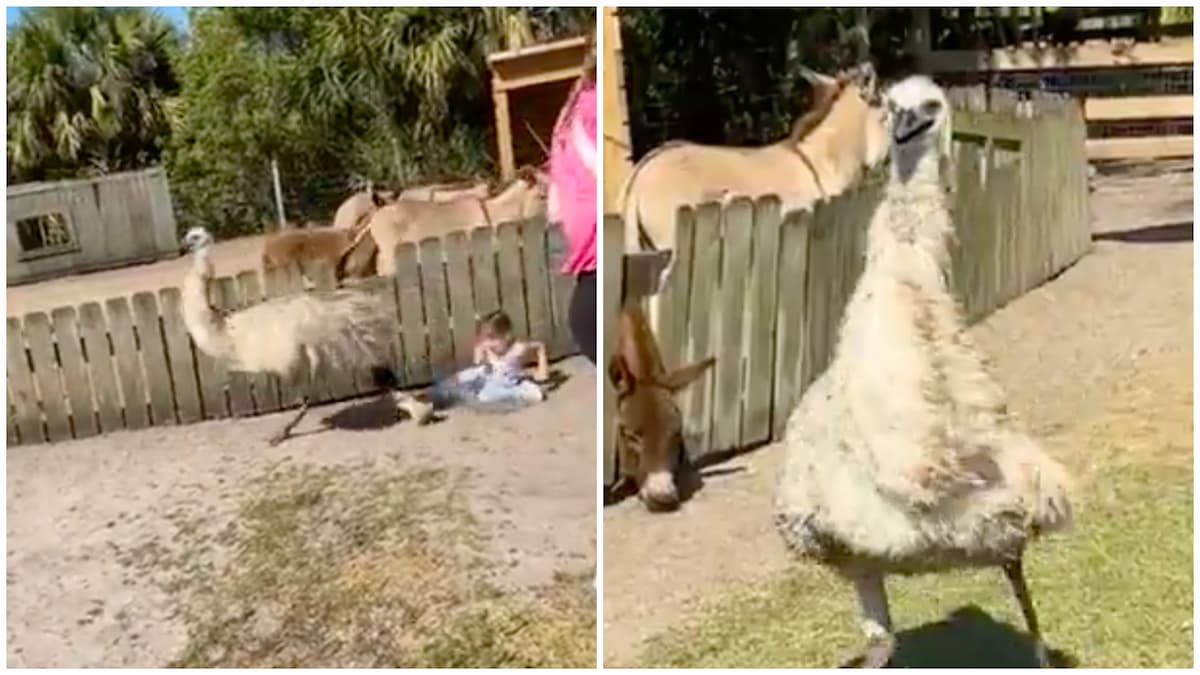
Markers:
point(537, 285)
point(562, 286)
point(462, 305)
point(436, 302)
point(129, 366)
point(483, 270)
point(760, 331)
point(789, 317)
point(736, 234)
point(158, 376)
point(512, 285)
point(673, 298)
point(74, 372)
point(706, 257)
point(46, 375)
point(24, 396)
point(179, 355)
point(412, 315)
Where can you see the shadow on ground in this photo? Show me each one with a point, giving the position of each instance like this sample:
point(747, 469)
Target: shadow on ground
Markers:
point(968, 638)
point(369, 415)
point(1155, 234)
point(689, 479)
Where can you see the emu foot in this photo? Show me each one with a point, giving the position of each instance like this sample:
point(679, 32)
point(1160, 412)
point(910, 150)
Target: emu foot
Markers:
point(1043, 656)
point(278, 438)
point(879, 651)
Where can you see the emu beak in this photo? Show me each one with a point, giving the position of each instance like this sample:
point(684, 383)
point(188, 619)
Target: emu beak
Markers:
point(908, 124)
point(183, 248)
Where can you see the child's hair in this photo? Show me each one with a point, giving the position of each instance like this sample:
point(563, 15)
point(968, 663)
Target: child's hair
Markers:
point(494, 324)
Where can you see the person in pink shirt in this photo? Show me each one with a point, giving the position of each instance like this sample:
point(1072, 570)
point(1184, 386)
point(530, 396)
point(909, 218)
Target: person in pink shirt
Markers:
point(572, 201)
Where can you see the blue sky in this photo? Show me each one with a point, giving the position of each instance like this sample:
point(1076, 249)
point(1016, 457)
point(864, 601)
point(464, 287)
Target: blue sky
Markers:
point(176, 14)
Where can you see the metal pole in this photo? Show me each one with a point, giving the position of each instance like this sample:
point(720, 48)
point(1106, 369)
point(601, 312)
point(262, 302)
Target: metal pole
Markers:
point(278, 194)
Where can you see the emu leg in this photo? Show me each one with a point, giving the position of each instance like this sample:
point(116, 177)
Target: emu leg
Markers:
point(876, 619)
point(1016, 577)
point(286, 431)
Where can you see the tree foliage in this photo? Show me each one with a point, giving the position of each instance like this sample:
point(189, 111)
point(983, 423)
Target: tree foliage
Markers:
point(337, 97)
point(88, 91)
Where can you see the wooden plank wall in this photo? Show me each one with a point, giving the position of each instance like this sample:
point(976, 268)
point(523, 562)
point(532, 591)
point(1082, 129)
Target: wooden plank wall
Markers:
point(764, 292)
point(1091, 58)
point(130, 363)
point(114, 220)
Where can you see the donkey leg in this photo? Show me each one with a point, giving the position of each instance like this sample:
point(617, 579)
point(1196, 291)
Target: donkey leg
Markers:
point(876, 619)
point(1016, 578)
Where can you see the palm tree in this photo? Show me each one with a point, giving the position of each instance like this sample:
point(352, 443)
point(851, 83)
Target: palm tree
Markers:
point(88, 90)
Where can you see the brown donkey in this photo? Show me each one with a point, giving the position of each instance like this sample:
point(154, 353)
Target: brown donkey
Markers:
point(650, 426)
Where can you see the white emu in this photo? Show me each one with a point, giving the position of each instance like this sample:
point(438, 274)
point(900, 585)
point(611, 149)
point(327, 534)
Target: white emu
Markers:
point(901, 457)
point(288, 336)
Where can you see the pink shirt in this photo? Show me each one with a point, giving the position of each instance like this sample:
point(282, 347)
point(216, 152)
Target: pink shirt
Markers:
point(573, 183)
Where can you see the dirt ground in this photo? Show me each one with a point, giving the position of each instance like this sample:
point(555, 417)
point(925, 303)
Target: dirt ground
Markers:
point(1064, 352)
point(79, 511)
point(229, 258)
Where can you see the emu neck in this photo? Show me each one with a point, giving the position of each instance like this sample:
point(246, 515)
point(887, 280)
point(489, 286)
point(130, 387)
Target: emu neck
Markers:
point(910, 238)
point(836, 146)
point(205, 325)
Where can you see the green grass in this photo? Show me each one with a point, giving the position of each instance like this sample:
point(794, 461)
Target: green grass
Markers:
point(1114, 592)
point(358, 567)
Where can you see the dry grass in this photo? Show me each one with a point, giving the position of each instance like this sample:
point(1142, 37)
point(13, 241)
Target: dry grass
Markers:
point(1115, 592)
point(362, 567)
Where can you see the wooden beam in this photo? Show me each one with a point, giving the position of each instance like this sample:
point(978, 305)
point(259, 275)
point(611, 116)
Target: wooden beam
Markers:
point(504, 141)
point(1137, 107)
point(617, 163)
point(1092, 54)
point(1144, 147)
point(534, 79)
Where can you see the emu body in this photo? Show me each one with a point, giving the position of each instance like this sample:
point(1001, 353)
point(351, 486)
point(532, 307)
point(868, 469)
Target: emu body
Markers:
point(901, 457)
point(289, 336)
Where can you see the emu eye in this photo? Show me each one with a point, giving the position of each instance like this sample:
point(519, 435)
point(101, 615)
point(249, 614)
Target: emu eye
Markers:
point(931, 107)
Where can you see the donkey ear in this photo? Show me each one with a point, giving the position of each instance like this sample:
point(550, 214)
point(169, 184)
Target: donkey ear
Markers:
point(619, 373)
point(682, 377)
point(378, 199)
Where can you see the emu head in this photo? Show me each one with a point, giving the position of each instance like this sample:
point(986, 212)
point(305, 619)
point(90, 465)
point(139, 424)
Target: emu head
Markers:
point(919, 116)
point(197, 240)
point(649, 421)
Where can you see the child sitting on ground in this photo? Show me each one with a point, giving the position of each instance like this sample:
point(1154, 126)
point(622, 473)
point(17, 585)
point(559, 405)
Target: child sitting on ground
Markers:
point(498, 374)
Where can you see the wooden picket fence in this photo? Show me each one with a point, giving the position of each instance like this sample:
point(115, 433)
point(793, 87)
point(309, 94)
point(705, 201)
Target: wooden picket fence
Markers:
point(129, 363)
point(764, 291)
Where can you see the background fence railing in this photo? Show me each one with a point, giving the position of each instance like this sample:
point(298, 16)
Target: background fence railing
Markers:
point(129, 363)
point(764, 291)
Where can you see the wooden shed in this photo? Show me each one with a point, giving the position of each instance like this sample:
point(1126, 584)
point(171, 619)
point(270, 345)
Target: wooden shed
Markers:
point(68, 227)
point(529, 87)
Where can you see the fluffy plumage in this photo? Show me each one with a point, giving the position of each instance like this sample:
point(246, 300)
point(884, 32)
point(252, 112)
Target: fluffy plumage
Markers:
point(289, 336)
point(901, 457)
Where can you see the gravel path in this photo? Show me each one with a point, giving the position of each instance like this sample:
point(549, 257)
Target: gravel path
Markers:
point(77, 511)
point(1062, 352)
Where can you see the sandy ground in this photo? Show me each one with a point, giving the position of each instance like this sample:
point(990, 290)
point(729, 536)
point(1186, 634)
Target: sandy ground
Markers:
point(76, 508)
point(1057, 350)
point(229, 258)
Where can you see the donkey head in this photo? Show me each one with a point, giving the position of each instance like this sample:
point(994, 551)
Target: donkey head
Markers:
point(650, 425)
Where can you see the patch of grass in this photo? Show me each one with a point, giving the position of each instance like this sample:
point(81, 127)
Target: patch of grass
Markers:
point(351, 567)
point(1115, 592)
